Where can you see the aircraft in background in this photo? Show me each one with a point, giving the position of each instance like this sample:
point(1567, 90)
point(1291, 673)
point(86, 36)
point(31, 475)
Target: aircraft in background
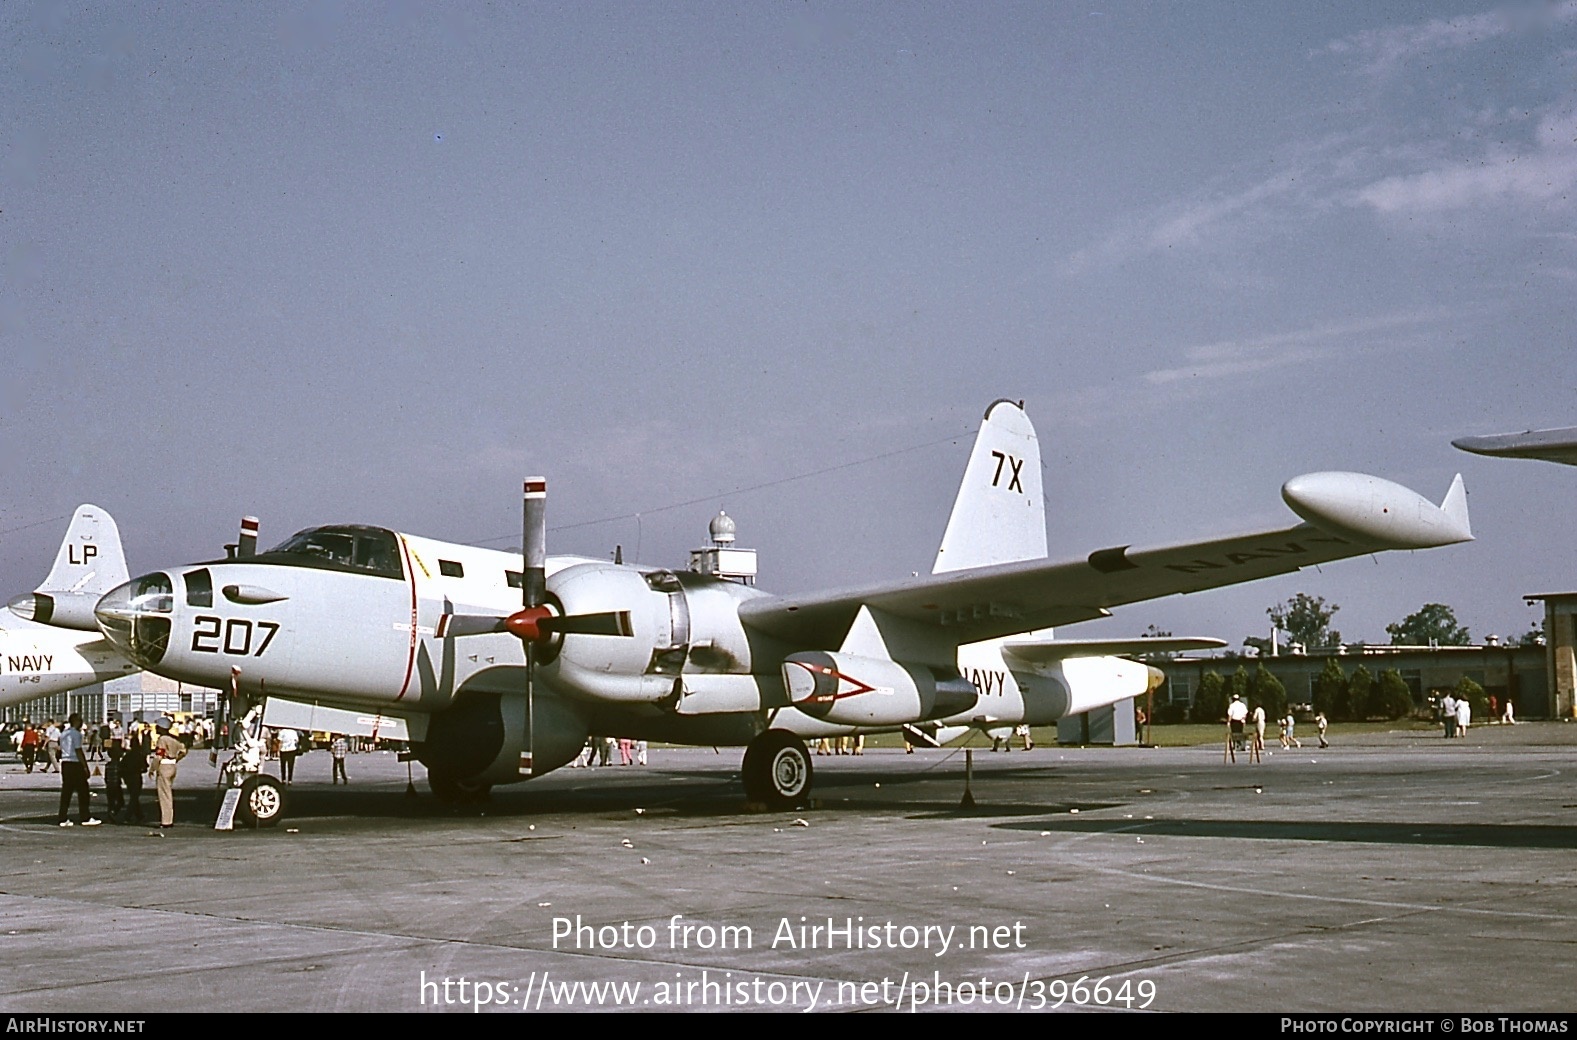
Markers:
point(496, 666)
point(49, 639)
point(1549, 445)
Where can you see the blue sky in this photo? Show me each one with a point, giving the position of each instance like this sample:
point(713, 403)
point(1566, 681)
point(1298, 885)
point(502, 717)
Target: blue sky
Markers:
point(375, 263)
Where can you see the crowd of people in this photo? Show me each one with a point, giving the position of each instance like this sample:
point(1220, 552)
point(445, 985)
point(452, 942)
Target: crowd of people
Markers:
point(1246, 727)
point(599, 751)
point(128, 754)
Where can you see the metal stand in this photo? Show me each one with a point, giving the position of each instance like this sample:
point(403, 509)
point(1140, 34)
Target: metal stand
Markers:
point(968, 801)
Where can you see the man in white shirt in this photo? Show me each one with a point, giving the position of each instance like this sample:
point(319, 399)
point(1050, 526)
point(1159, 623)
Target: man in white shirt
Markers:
point(289, 745)
point(1237, 713)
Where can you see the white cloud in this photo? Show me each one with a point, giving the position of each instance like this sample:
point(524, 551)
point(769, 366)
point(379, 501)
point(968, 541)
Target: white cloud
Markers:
point(1227, 358)
point(1190, 223)
point(1545, 173)
point(1383, 50)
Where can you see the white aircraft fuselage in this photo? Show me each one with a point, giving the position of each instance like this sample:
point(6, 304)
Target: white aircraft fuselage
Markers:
point(497, 666)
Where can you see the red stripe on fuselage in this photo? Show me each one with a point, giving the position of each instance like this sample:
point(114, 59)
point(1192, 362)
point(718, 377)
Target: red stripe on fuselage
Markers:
point(410, 660)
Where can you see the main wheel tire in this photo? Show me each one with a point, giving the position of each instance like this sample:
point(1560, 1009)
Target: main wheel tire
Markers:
point(777, 770)
point(262, 801)
point(455, 792)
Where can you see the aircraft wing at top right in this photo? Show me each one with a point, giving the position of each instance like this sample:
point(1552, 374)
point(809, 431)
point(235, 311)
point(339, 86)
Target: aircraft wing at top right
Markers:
point(1345, 514)
point(1549, 445)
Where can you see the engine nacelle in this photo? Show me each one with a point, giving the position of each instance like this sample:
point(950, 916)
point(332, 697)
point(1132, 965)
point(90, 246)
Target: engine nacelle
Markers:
point(479, 740)
point(849, 690)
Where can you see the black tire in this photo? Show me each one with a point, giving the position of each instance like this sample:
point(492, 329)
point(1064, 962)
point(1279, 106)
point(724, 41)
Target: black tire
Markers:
point(262, 801)
point(450, 791)
point(777, 770)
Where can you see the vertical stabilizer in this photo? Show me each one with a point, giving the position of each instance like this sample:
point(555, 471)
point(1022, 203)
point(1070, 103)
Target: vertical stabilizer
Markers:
point(1000, 513)
point(90, 561)
point(1454, 505)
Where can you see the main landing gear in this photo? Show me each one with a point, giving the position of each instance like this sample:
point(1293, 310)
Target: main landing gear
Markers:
point(777, 770)
point(451, 791)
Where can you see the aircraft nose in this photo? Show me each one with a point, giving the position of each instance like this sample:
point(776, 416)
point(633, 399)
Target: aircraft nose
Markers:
point(136, 617)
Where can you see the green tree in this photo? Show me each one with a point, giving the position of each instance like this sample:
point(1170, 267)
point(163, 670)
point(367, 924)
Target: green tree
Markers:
point(1268, 691)
point(1392, 699)
point(1210, 700)
point(1476, 698)
point(1237, 684)
point(1534, 636)
point(1360, 687)
point(1307, 619)
point(1330, 690)
point(1433, 624)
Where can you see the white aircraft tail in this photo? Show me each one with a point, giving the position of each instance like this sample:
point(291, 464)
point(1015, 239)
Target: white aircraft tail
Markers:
point(89, 564)
point(1000, 514)
point(90, 561)
point(1454, 505)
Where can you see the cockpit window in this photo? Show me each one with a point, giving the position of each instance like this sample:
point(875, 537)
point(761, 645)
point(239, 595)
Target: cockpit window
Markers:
point(366, 550)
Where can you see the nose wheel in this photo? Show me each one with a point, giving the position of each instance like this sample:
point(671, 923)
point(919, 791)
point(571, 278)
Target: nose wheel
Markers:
point(777, 770)
point(262, 801)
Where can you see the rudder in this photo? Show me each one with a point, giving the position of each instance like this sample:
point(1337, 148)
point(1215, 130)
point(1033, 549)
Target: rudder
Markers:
point(90, 561)
point(1000, 513)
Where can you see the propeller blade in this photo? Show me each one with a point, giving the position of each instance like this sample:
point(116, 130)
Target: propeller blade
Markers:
point(527, 762)
point(246, 547)
point(534, 542)
point(469, 625)
point(533, 593)
point(607, 623)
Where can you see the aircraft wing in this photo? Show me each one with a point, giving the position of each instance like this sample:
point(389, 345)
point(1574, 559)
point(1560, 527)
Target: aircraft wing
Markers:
point(1346, 514)
point(1045, 651)
point(1551, 445)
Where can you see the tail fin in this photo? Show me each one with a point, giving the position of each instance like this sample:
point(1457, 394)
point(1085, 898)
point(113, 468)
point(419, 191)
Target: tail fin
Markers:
point(90, 561)
point(89, 564)
point(1000, 514)
point(1454, 505)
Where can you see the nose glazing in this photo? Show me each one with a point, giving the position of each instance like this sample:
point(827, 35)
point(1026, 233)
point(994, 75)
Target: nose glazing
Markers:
point(136, 617)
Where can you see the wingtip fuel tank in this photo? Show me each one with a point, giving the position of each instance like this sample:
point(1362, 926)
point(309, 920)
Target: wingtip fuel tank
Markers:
point(1371, 509)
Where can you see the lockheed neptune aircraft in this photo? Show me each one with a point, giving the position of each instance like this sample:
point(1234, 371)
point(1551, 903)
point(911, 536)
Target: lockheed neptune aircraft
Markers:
point(496, 666)
point(49, 641)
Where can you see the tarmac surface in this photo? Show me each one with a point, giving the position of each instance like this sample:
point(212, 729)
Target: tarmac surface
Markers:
point(1402, 873)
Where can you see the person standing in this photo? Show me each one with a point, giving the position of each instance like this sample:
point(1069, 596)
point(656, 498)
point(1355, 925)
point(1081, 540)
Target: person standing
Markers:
point(133, 761)
point(1464, 715)
point(1259, 727)
point(1448, 711)
point(1237, 714)
point(1321, 724)
point(32, 740)
point(74, 774)
point(339, 747)
point(289, 745)
point(640, 752)
point(51, 746)
point(167, 751)
point(112, 782)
